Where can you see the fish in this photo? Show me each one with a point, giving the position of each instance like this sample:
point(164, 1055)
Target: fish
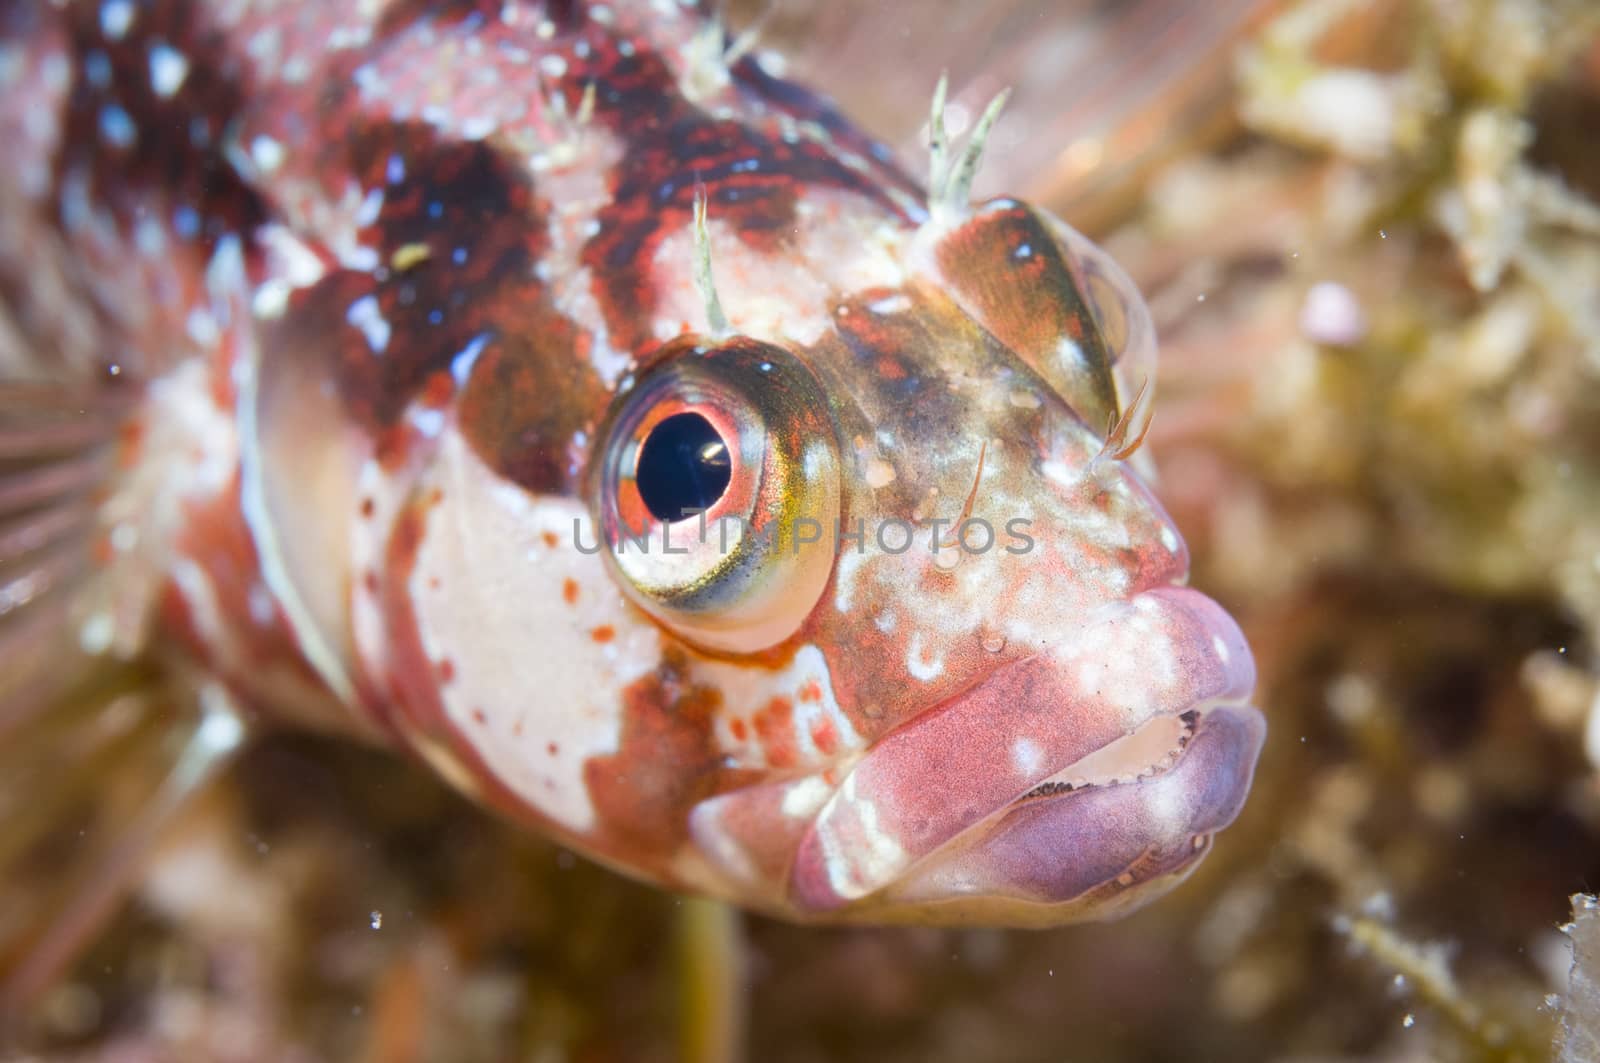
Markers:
point(555, 394)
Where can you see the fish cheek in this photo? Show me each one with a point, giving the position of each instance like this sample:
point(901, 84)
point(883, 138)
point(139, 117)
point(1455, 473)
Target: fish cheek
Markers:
point(505, 642)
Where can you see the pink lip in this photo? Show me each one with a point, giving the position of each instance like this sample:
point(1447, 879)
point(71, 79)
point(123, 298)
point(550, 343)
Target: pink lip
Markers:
point(936, 809)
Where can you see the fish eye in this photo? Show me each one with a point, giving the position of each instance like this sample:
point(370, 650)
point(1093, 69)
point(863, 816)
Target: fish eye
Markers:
point(716, 492)
point(683, 467)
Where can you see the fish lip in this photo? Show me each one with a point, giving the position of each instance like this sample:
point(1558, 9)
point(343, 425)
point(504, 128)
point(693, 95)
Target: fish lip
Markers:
point(1078, 776)
point(885, 825)
point(1141, 872)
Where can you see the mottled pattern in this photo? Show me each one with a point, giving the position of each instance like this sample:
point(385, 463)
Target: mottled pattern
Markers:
point(439, 259)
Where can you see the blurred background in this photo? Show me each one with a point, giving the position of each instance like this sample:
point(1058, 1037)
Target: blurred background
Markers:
point(1369, 237)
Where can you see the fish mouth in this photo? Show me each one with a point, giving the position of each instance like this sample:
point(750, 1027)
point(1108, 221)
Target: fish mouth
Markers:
point(1066, 785)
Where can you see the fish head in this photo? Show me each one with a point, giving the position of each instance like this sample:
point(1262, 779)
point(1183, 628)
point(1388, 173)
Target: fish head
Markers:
point(947, 618)
point(845, 602)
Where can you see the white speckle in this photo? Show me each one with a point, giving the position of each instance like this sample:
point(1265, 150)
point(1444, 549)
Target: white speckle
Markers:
point(1170, 540)
point(918, 666)
point(297, 70)
point(271, 299)
point(803, 798)
point(116, 127)
point(115, 18)
point(553, 66)
point(96, 634)
point(890, 304)
point(429, 423)
point(371, 207)
point(262, 609)
point(479, 127)
point(149, 237)
point(202, 327)
point(1221, 648)
point(1026, 757)
point(376, 919)
point(124, 537)
point(265, 46)
point(461, 365)
point(362, 258)
point(1059, 472)
point(1069, 353)
point(349, 36)
point(168, 69)
point(266, 153)
point(365, 315)
point(1409, 1021)
point(886, 621)
point(844, 582)
point(367, 78)
point(545, 30)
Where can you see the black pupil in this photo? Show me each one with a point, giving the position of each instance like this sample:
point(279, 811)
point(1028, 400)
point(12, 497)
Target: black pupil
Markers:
point(683, 467)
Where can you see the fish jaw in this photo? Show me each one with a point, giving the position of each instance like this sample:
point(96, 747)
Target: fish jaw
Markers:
point(1072, 784)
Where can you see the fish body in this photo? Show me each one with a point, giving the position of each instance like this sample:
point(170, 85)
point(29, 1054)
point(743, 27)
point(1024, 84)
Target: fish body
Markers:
point(556, 394)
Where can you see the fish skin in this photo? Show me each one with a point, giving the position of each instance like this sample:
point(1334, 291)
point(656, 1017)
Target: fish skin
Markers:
point(385, 275)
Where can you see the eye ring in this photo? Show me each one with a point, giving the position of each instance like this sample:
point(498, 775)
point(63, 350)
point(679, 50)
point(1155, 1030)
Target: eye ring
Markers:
point(743, 574)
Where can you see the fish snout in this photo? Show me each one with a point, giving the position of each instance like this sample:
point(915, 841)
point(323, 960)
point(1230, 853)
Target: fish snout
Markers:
point(1070, 784)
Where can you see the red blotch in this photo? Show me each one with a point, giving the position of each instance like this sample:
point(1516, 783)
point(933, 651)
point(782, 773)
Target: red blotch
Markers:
point(552, 749)
point(739, 730)
point(447, 670)
point(367, 507)
point(825, 737)
point(666, 761)
point(550, 539)
point(569, 591)
point(477, 714)
point(603, 633)
point(438, 390)
point(811, 691)
point(130, 442)
point(775, 729)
